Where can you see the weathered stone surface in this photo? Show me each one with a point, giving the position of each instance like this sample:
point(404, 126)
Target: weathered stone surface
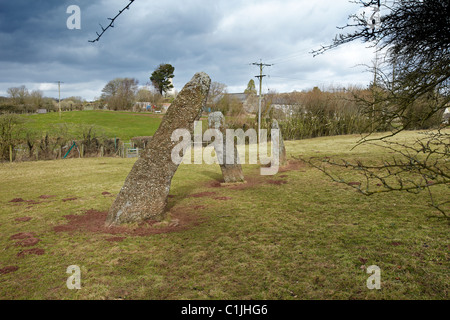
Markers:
point(232, 172)
point(216, 120)
point(281, 148)
point(145, 191)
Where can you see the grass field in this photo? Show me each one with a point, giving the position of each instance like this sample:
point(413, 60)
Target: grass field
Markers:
point(123, 125)
point(295, 235)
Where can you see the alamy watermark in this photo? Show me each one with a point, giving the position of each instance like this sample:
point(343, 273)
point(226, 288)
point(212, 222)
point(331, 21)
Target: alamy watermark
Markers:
point(374, 281)
point(374, 21)
point(224, 147)
point(74, 281)
point(74, 20)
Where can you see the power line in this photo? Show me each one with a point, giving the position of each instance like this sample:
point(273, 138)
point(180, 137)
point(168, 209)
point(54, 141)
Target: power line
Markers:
point(289, 57)
point(321, 82)
point(111, 24)
point(298, 79)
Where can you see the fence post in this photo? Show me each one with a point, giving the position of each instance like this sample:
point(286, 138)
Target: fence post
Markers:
point(82, 151)
point(101, 151)
point(10, 154)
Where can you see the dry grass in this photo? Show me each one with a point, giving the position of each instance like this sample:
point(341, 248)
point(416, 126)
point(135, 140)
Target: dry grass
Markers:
point(305, 238)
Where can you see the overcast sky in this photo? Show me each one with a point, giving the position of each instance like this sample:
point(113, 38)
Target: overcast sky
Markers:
point(220, 37)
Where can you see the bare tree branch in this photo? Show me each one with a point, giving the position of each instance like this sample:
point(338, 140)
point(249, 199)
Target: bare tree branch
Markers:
point(111, 24)
point(421, 166)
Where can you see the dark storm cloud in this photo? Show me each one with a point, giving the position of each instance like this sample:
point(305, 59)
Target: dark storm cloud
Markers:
point(219, 37)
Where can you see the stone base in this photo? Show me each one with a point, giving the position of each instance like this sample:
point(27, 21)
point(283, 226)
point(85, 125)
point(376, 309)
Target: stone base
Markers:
point(225, 184)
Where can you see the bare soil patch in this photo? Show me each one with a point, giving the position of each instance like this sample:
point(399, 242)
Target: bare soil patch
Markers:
point(22, 235)
point(29, 202)
point(94, 221)
point(9, 269)
point(69, 199)
point(33, 202)
point(202, 194)
point(257, 180)
point(252, 181)
point(28, 242)
point(214, 184)
point(277, 182)
point(44, 196)
point(23, 219)
point(292, 165)
point(35, 251)
point(223, 198)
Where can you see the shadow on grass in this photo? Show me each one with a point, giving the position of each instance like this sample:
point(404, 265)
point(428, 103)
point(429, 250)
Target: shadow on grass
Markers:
point(212, 175)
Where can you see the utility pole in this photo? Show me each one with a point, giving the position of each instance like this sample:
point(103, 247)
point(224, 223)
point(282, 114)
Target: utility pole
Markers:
point(59, 97)
point(260, 77)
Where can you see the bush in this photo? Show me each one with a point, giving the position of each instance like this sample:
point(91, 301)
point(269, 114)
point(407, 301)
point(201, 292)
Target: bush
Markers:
point(10, 128)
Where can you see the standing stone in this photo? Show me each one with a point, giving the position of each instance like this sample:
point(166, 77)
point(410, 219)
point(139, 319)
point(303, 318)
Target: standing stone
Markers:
point(145, 191)
point(281, 148)
point(232, 172)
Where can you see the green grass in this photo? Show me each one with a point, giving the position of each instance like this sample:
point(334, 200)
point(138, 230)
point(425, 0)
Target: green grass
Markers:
point(123, 125)
point(308, 239)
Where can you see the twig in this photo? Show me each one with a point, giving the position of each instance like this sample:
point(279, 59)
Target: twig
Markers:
point(111, 24)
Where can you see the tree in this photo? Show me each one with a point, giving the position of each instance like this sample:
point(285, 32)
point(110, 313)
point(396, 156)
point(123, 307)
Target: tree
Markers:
point(119, 93)
point(10, 130)
point(30, 137)
point(146, 95)
point(72, 103)
point(251, 88)
point(415, 35)
point(216, 91)
point(18, 95)
point(229, 105)
point(162, 77)
point(49, 104)
point(37, 99)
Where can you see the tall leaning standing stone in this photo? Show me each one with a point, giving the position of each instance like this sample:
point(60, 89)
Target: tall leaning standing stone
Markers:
point(145, 191)
point(232, 172)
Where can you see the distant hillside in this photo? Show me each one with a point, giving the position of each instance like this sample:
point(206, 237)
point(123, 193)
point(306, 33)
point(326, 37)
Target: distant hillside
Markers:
point(123, 125)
